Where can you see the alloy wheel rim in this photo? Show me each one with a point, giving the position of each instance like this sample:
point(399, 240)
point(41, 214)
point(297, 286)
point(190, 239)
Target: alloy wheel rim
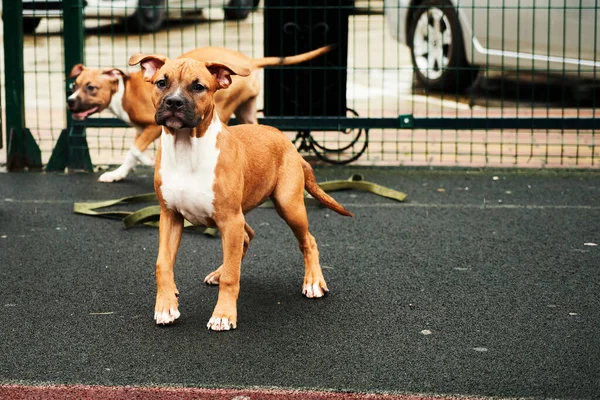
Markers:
point(432, 43)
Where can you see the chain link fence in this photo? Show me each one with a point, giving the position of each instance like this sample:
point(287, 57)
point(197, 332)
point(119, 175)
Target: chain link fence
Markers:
point(425, 83)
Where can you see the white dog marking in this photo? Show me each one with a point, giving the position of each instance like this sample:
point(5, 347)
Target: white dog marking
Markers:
point(187, 170)
point(132, 156)
point(313, 291)
point(166, 317)
point(220, 324)
point(116, 103)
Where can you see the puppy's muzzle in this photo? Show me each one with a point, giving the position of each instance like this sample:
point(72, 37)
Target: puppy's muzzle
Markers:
point(174, 103)
point(79, 109)
point(175, 111)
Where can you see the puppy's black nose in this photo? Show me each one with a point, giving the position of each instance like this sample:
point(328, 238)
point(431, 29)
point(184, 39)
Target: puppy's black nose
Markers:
point(71, 102)
point(174, 102)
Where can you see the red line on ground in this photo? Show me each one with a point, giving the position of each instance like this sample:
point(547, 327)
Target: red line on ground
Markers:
point(84, 392)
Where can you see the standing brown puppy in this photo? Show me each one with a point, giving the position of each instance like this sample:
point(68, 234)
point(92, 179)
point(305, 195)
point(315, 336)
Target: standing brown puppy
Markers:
point(213, 175)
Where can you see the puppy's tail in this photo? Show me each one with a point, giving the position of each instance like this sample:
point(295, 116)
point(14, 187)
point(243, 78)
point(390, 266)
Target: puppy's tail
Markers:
point(291, 60)
point(312, 187)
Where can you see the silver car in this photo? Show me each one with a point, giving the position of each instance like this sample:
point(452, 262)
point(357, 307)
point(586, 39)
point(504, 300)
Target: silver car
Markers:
point(450, 39)
point(145, 15)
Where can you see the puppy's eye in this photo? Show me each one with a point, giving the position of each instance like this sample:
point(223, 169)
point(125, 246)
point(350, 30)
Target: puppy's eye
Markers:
point(72, 86)
point(161, 84)
point(91, 88)
point(198, 87)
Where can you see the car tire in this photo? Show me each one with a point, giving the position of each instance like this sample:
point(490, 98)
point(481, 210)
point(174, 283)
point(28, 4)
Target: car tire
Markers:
point(437, 47)
point(149, 16)
point(238, 9)
point(30, 24)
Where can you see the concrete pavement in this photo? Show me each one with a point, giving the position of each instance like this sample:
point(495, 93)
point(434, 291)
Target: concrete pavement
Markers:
point(480, 284)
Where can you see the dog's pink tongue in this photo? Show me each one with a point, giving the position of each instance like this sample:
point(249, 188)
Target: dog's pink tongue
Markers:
point(79, 116)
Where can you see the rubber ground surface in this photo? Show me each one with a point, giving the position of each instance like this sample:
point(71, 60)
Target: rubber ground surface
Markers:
point(480, 284)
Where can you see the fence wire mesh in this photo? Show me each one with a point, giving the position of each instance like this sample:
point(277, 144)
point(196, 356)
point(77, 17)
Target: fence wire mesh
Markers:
point(431, 59)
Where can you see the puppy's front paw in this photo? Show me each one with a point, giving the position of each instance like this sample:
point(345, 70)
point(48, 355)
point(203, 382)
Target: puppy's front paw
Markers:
point(314, 287)
point(314, 291)
point(223, 319)
point(166, 309)
point(145, 160)
point(221, 324)
point(112, 176)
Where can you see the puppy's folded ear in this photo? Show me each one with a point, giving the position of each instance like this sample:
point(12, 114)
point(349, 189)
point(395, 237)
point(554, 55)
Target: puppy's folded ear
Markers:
point(150, 63)
point(113, 73)
point(76, 70)
point(222, 72)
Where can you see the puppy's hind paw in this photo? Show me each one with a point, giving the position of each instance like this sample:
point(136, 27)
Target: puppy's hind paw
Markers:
point(213, 278)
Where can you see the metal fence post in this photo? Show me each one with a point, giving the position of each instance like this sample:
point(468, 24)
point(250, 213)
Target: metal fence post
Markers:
point(22, 149)
point(71, 149)
point(1, 122)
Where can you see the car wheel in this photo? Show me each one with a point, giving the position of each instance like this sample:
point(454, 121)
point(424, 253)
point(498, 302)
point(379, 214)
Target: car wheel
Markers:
point(437, 47)
point(30, 24)
point(149, 16)
point(238, 9)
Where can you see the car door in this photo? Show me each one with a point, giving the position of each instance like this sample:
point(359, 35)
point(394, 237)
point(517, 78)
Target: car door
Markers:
point(535, 35)
point(575, 34)
point(502, 31)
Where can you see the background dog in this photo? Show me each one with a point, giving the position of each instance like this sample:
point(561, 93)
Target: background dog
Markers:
point(127, 96)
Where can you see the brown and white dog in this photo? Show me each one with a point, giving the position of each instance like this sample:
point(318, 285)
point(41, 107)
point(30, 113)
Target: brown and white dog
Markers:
point(127, 96)
point(213, 175)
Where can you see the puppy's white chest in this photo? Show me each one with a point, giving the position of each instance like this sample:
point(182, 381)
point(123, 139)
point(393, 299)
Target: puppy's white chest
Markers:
point(188, 173)
point(116, 103)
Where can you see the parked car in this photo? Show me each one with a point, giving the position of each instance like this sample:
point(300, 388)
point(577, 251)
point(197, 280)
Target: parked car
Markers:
point(449, 39)
point(145, 15)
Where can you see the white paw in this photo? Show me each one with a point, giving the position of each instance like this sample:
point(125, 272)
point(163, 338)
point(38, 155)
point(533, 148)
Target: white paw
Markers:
point(112, 176)
point(313, 291)
point(212, 279)
point(166, 317)
point(220, 324)
point(145, 160)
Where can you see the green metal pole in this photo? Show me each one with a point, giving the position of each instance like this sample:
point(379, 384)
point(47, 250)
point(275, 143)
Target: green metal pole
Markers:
point(71, 150)
point(12, 19)
point(22, 150)
point(1, 122)
point(73, 33)
point(73, 41)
